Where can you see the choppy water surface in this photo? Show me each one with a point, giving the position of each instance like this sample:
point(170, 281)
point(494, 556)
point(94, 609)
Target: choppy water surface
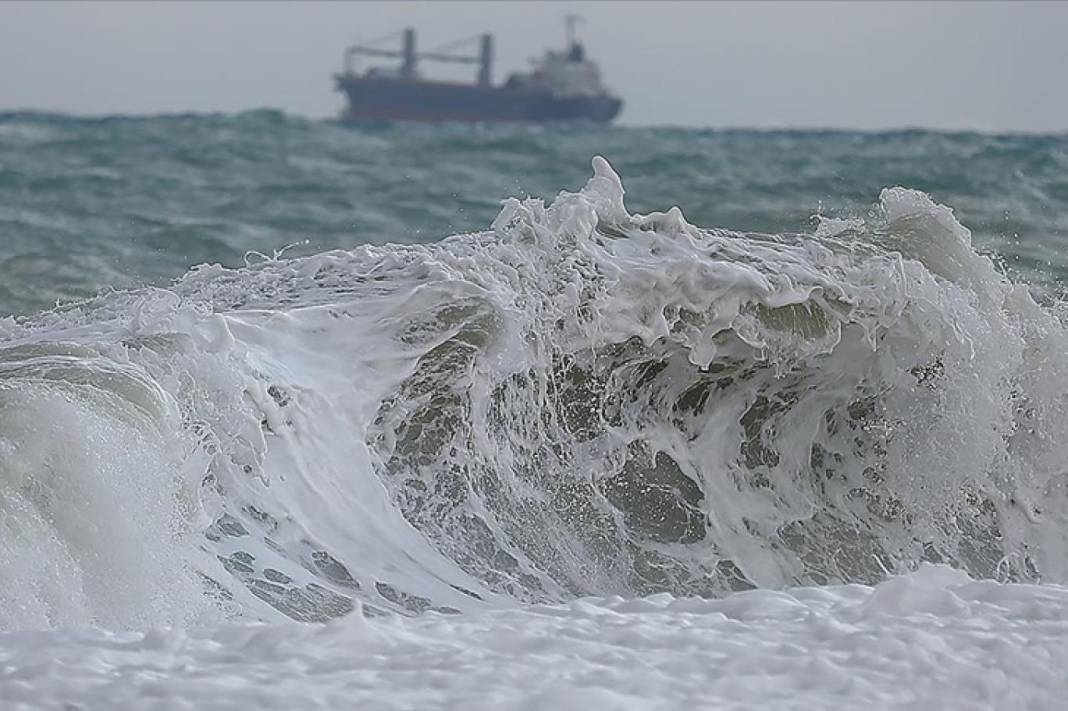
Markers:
point(844, 355)
point(89, 203)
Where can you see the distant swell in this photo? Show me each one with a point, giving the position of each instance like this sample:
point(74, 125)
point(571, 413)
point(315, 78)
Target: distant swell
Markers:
point(577, 401)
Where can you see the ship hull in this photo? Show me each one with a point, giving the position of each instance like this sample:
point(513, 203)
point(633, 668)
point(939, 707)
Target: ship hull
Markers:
point(374, 99)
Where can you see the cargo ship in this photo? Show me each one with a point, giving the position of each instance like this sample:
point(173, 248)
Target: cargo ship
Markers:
point(562, 86)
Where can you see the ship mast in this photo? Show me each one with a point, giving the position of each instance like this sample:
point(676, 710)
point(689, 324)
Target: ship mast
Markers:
point(409, 56)
point(571, 20)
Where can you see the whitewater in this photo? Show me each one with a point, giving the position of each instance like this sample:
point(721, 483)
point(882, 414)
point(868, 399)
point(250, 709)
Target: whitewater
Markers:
point(587, 458)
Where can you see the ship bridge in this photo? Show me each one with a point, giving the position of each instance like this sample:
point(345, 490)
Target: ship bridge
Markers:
point(567, 72)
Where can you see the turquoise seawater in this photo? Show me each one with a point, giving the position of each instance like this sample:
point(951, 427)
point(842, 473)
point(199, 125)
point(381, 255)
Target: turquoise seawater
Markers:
point(92, 203)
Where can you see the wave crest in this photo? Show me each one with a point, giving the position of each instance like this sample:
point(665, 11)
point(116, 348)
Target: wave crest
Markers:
point(578, 401)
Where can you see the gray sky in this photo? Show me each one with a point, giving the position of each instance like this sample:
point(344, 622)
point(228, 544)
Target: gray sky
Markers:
point(987, 66)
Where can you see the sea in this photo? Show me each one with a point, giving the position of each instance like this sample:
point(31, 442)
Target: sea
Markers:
point(297, 414)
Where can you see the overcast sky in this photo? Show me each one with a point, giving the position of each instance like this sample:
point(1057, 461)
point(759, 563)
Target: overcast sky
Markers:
point(987, 66)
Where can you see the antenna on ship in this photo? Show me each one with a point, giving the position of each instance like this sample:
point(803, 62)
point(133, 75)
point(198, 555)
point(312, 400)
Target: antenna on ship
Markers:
point(574, 49)
point(570, 20)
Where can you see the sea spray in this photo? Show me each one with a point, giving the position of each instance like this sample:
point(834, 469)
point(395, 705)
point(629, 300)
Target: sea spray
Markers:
point(578, 401)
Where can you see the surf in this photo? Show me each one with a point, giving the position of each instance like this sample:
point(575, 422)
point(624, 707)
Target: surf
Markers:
point(577, 401)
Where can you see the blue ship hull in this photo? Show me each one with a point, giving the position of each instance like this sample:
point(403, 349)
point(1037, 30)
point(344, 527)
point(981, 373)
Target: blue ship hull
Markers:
point(397, 99)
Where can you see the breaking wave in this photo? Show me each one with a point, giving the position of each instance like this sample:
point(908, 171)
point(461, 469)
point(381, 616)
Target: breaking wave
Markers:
point(577, 401)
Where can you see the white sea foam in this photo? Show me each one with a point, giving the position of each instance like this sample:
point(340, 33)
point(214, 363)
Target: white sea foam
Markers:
point(932, 639)
point(578, 402)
